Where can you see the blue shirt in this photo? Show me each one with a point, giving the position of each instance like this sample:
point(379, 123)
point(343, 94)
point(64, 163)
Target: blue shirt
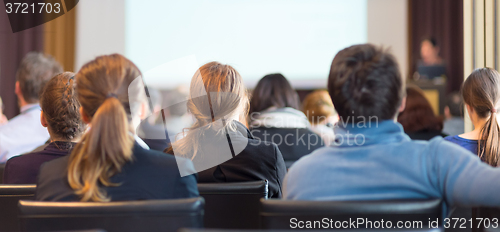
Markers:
point(468, 144)
point(22, 133)
point(381, 163)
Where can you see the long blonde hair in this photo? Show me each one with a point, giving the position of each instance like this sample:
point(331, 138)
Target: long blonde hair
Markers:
point(102, 87)
point(216, 92)
point(481, 91)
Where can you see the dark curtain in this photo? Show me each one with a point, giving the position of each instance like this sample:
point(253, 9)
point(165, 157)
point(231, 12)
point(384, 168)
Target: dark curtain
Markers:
point(13, 47)
point(443, 20)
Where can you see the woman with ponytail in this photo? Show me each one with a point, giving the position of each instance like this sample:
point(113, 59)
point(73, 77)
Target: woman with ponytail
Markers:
point(481, 95)
point(63, 122)
point(219, 144)
point(111, 163)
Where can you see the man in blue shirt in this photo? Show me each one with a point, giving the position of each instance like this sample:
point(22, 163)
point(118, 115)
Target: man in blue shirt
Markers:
point(372, 158)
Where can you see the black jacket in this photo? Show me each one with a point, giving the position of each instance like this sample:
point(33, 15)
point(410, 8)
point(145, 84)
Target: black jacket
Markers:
point(293, 142)
point(151, 175)
point(242, 157)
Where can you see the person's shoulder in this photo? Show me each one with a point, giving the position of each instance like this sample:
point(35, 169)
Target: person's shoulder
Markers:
point(450, 138)
point(313, 160)
point(155, 157)
point(442, 148)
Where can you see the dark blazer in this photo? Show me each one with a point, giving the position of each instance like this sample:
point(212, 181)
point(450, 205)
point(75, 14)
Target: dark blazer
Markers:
point(151, 175)
point(155, 136)
point(293, 142)
point(23, 169)
point(258, 160)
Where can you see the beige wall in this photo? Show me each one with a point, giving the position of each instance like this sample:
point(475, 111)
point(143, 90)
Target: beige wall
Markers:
point(100, 29)
point(388, 26)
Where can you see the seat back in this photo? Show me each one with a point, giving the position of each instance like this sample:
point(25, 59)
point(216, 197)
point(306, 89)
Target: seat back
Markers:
point(9, 197)
point(285, 214)
point(233, 205)
point(2, 168)
point(147, 215)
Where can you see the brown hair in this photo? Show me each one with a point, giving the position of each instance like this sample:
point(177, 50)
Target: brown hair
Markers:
point(273, 90)
point(365, 84)
point(61, 108)
point(103, 88)
point(226, 97)
point(318, 106)
point(481, 92)
point(418, 114)
point(34, 72)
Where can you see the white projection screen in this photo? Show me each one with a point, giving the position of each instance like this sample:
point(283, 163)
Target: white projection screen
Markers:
point(169, 40)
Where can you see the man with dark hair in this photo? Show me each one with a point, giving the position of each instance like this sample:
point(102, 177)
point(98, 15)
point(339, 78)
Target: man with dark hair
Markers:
point(372, 158)
point(453, 115)
point(24, 132)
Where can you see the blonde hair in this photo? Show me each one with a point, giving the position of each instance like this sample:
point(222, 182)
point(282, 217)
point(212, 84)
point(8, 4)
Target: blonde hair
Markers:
point(102, 87)
point(216, 93)
point(318, 106)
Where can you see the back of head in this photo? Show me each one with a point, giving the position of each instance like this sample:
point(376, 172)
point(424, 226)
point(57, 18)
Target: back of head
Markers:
point(216, 93)
point(34, 72)
point(481, 91)
point(61, 108)
point(104, 87)
point(318, 106)
point(365, 84)
point(273, 90)
point(418, 114)
point(455, 104)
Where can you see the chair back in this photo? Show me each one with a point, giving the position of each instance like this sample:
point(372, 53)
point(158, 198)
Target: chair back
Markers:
point(125, 216)
point(2, 168)
point(286, 214)
point(233, 205)
point(9, 196)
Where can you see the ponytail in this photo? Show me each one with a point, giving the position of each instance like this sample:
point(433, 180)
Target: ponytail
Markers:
point(103, 151)
point(488, 149)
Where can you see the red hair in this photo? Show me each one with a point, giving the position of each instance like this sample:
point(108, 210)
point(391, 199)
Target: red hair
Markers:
point(418, 114)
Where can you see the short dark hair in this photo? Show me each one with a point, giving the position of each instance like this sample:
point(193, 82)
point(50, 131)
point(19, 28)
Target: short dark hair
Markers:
point(273, 90)
point(365, 84)
point(455, 104)
point(34, 72)
point(431, 40)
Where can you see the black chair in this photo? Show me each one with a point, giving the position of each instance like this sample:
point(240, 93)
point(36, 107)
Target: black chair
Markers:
point(285, 214)
point(2, 168)
point(147, 215)
point(486, 219)
point(233, 205)
point(9, 197)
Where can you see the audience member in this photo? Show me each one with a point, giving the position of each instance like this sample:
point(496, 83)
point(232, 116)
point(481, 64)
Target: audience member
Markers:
point(454, 117)
point(376, 160)
point(24, 133)
point(275, 117)
point(177, 117)
point(418, 118)
point(3, 118)
point(429, 52)
point(220, 146)
point(60, 115)
point(111, 163)
point(481, 95)
point(318, 108)
point(152, 130)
